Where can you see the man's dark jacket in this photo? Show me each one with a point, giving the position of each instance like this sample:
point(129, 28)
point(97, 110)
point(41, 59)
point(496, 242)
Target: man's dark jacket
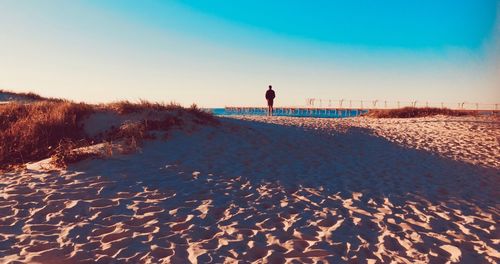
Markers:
point(270, 95)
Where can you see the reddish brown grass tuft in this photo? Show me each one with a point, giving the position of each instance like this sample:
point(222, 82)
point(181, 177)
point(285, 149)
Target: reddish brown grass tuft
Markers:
point(32, 131)
point(67, 152)
point(409, 112)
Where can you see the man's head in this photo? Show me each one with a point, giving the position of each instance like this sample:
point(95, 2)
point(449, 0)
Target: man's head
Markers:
point(270, 87)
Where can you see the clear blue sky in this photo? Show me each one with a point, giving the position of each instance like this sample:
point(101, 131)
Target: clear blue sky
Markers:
point(218, 53)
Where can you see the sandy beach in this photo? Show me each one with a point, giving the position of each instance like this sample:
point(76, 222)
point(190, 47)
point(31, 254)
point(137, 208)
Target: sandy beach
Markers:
point(269, 190)
point(137, 132)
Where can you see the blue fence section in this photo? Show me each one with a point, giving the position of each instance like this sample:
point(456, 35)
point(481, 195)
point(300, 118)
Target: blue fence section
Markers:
point(295, 112)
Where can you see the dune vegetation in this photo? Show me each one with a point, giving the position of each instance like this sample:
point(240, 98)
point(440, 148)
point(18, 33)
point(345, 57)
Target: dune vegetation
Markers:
point(30, 131)
point(409, 112)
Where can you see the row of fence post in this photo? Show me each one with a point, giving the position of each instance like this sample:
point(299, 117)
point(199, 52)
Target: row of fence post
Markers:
point(311, 102)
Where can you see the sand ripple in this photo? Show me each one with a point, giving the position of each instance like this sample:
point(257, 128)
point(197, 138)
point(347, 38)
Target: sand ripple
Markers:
point(255, 192)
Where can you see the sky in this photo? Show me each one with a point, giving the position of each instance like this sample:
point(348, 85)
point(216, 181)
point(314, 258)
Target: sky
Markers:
point(226, 52)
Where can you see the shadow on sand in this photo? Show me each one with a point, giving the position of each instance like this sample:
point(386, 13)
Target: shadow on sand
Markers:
point(253, 191)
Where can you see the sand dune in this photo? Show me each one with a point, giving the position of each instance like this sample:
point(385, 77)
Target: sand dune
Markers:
point(269, 190)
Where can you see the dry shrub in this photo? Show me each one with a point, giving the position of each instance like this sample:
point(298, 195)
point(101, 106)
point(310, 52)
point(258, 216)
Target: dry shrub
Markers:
point(107, 149)
point(68, 152)
point(133, 133)
point(409, 112)
point(202, 117)
point(131, 130)
point(33, 131)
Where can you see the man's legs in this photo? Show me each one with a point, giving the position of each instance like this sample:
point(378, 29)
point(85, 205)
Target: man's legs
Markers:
point(269, 107)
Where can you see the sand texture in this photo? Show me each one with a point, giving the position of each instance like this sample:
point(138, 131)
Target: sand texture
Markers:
point(269, 190)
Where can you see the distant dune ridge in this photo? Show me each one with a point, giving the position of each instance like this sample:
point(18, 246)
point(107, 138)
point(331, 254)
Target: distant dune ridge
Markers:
point(7, 96)
point(175, 185)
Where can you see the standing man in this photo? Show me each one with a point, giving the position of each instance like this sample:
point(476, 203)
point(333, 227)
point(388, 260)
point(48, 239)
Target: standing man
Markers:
point(270, 95)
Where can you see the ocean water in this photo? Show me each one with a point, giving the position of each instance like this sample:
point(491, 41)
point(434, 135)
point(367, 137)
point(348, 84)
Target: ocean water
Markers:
point(320, 113)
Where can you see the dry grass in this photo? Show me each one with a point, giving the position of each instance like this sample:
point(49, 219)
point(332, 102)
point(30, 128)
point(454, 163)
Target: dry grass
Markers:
point(133, 133)
point(41, 129)
point(33, 131)
point(409, 112)
point(127, 107)
point(67, 152)
point(202, 117)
